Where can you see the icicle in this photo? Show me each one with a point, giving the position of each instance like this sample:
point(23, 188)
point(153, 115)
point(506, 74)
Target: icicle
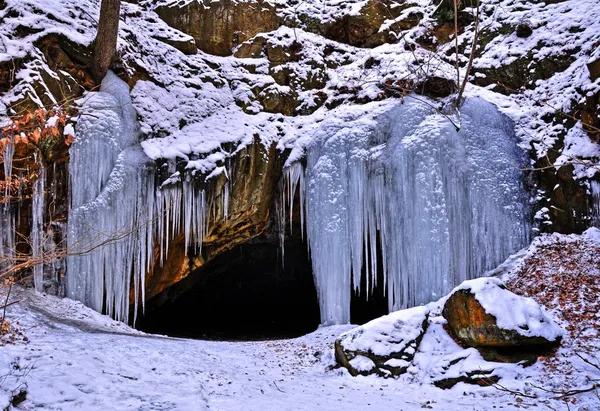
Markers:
point(7, 214)
point(109, 232)
point(37, 225)
point(595, 190)
point(443, 206)
point(7, 158)
point(117, 215)
point(292, 182)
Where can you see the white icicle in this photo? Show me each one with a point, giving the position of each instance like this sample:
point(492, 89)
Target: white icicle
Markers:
point(595, 191)
point(117, 215)
point(7, 212)
point(37, 225)
point(433, 205)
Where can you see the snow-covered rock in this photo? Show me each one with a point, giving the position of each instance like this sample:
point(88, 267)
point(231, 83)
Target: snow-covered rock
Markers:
point(483, 313)
point(384, 346)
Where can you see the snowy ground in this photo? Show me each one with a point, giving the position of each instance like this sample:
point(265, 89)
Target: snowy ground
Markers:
point(77, 359)
point(98, 365)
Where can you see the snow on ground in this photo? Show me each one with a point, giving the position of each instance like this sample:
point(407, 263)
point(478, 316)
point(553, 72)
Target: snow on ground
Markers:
point(77, 359)
point(70, 367)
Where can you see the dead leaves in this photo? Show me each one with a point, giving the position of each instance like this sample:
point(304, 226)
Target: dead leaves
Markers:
point(36, 128)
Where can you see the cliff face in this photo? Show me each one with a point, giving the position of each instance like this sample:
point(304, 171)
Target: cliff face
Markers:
point(239, 85)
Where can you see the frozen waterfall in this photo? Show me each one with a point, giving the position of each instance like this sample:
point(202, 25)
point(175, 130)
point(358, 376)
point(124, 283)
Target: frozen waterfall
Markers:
point(432, 206)
point(120, 223)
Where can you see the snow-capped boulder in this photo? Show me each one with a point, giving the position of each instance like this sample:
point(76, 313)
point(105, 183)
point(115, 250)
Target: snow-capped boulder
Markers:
point(384, 346)
point(482, 313)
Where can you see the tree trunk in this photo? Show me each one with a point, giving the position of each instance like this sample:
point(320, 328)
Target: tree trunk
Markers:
point(105, 44)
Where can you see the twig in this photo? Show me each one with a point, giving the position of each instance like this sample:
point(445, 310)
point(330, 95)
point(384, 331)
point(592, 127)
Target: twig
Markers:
point(471, 57)
point(10, 284)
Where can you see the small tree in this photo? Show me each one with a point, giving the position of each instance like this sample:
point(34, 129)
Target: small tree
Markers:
point(105, 44)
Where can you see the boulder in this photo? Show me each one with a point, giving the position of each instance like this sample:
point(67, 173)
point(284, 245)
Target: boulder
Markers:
point(483, 314)
point(385, 346)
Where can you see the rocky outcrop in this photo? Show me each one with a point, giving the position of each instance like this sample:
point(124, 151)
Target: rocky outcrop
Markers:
point(185, 45)
point(384, 346)
point(483, 314)
point(219, 26)
point(374, 25)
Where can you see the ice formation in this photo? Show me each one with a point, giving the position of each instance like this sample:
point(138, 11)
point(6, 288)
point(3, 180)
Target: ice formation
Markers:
point(7, 216)
point(431, 206)
point(595, 190)
point(118, 217)
point(37, 225)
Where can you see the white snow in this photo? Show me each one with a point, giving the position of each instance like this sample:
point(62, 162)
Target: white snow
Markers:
point(388, 334)
point(362, 363)
point(79, 359)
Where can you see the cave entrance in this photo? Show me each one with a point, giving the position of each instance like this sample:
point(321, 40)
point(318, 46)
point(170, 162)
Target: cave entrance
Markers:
point(243, 294)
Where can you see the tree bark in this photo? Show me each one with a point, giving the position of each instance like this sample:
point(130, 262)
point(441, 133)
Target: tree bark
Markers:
point(105, 44)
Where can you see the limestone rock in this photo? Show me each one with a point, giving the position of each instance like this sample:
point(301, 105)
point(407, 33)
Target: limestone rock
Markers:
point(482, 313)
point(187, 45)
point(219, 26)
point(364, 29)
point(384, 346)
point(297, 74)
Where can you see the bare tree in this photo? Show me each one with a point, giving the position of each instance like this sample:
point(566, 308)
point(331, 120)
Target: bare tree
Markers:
point(105, 44)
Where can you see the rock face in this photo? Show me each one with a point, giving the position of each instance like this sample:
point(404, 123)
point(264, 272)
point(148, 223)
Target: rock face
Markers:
point(219, 26)
point(255, 174)
point(483, 314)
point(384, 346)
point(367, 28)
point(295, 68)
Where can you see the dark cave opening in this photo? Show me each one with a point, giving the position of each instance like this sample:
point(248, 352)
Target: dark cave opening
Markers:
point(246, 293)
point(243, 294)
point(370, 300)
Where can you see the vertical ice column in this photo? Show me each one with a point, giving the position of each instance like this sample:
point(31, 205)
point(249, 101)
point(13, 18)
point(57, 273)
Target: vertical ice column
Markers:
point(595, 191)
point(7, 216)
point(445, 206)
point(112, 197)
point(37, 225)
point(117, 215)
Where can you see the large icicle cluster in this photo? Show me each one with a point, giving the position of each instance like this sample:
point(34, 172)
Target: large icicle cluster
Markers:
point(111, 210)
point(7, 215)
point(431, 205)
point(117, 216)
